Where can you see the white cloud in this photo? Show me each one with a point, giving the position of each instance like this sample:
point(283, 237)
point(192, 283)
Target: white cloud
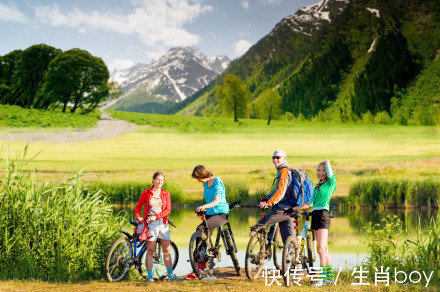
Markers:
point(120, 64)
point(270, 2)
point(157, 23)
point(11, 14)
point(241, 47)
point(245, 4)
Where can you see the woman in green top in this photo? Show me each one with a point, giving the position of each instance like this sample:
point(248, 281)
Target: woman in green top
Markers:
point(322, 193)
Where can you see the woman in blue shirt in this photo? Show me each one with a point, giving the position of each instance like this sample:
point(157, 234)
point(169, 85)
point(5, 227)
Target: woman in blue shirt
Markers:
point(217, 209)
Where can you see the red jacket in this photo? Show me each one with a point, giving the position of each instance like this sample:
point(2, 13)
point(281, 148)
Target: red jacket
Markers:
point(145, 200)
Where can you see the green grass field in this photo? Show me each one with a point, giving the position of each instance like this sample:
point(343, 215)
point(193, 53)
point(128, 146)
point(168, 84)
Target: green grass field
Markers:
point(15, 118)
point(355, 151)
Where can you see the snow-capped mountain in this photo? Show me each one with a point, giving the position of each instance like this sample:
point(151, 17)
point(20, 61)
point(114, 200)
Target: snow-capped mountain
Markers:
point(179, 73)
point(310, 18)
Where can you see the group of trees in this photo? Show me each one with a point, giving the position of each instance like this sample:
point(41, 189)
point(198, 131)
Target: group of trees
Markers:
point(233, 96)
point(45, 77)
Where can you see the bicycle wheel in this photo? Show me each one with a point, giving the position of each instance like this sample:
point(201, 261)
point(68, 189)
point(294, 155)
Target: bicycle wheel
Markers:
point(231, 251)
point(256, 256)
point(159, 268)
point(198, 252)
point(278, 247)
point(309, 252)
point(289, 256)
point(118, 261)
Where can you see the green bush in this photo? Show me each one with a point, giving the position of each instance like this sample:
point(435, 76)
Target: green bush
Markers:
point(128, 193)
point(52, 231)
point(382, 118)
point(386, 193)
point(419, 254)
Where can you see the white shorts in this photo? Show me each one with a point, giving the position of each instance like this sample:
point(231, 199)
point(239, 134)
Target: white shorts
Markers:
point(157, 230)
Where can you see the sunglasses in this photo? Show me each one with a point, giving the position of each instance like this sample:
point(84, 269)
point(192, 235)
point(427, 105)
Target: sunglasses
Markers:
point(276, 157)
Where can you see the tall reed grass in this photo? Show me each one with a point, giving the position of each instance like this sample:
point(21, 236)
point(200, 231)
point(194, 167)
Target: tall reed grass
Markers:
point(395, 193)
point(129, 192)
point(51, 231)
point(390, 246)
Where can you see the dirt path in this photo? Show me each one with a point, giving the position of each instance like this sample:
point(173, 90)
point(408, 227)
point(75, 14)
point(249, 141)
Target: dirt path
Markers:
point(106, 127)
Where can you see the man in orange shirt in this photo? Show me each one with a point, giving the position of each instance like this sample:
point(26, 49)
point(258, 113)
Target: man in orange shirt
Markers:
point(280, 199)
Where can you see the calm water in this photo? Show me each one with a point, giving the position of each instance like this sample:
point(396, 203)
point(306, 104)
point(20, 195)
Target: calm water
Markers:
point(345, 235)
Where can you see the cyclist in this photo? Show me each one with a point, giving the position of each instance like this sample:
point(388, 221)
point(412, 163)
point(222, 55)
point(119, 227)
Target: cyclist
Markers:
point(217, 209)
point(322, 193)
point(280, 199)
point(157, 208)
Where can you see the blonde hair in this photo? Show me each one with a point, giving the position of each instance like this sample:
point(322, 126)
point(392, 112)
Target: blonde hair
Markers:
point(322, 164)
point(201, 171)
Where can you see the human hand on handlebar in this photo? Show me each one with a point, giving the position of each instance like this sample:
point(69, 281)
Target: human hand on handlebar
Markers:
point(263, 205)
point(200, 209)
point(150, 219)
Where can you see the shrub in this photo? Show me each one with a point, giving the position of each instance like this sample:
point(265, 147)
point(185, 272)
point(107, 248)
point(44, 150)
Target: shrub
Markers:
point(52, 231)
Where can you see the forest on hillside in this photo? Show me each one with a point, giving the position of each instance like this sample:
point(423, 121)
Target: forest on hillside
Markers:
point(374, 62)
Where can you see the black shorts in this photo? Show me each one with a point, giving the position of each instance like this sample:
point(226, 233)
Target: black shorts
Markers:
point(320, 219)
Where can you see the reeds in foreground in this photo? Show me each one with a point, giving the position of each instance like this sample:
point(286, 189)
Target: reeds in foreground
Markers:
point(51, 231)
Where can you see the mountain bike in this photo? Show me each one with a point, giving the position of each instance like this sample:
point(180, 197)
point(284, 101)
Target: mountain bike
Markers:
point(129, 251)
point(259, 250)
point(299, 249)
point(203, 252)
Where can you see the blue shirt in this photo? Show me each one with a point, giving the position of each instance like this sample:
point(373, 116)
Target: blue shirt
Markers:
point(217, 188)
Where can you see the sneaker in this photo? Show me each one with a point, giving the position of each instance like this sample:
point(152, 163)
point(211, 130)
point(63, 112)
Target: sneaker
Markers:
point(330, 282)
point(150, 279)
point(319, 283)
point(191, 276)
point(173, 277)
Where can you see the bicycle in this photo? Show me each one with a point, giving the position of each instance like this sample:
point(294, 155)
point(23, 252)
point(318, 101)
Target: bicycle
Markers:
point(258, 250)
point(295, 254)
point(128, 251)
point(202, 251)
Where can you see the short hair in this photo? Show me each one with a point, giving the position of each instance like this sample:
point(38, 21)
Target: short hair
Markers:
point(201, 171)
point(157, 173)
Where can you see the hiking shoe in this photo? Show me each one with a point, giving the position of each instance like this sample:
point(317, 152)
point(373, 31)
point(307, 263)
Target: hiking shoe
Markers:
point(150, 279)
point(173, 277)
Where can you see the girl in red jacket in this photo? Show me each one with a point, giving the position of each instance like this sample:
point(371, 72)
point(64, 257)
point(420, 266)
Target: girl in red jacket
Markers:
point(157, 207)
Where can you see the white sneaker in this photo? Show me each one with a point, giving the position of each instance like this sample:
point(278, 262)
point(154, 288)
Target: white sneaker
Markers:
point(319, 283)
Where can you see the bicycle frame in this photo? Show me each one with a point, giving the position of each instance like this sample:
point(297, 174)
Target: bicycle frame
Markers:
point(303, 235)
point(219, 234)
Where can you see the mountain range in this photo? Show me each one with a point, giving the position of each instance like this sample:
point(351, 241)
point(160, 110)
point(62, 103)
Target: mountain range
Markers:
point(343, 61)
point(157, 86)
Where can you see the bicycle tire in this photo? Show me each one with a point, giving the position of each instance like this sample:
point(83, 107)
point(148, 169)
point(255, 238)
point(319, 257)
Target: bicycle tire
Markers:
point(255, 256)
point(159, 267)
point(310, 259)
point(278, 247)
point(289, 257)
point(197, 252)
point(231, 251)
point(117, 264)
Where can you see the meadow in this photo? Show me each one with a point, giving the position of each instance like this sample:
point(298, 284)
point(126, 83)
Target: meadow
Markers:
point(241, 152)
point(15, 118)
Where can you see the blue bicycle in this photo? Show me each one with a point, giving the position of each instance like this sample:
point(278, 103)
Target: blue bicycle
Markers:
point(129, 251)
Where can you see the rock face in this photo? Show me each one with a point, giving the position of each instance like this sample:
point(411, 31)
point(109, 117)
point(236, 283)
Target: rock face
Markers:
point(176, 75)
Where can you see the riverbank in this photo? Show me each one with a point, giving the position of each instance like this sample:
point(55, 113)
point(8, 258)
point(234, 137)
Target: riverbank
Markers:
point(227, 280)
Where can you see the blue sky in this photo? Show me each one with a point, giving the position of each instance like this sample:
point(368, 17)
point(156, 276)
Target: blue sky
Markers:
point(132, 31)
